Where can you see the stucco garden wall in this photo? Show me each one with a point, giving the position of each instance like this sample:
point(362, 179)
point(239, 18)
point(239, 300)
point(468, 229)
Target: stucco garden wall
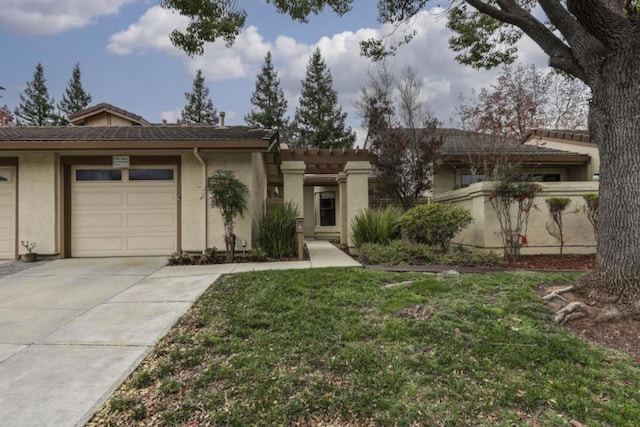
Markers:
point(484, 232)
point(38, 195)
point(258, 192)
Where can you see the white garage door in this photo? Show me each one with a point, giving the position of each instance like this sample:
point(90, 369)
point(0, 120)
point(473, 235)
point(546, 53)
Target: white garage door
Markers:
point(7, 212)
point(123, 212)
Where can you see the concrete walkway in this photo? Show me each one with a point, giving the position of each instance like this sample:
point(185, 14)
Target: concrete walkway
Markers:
point(72, 330)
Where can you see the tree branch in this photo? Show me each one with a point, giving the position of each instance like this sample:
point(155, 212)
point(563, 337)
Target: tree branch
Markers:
point(605, 20)
point(512, 13)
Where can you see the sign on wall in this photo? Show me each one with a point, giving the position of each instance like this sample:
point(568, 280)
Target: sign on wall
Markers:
point(121, 162)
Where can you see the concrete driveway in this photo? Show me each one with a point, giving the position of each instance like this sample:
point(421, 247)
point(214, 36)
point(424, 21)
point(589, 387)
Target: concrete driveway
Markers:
point(71, 330)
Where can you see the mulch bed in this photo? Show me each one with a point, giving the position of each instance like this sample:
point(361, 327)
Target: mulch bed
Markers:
point(555, 262)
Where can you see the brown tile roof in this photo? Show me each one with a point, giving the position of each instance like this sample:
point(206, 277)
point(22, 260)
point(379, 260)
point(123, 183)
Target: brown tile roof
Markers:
point(459, 142)
point(569, 135)
point(103, 106)
point(133, 133)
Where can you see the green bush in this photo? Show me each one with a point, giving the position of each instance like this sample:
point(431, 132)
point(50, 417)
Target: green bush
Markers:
point(376, 226)
point(435, 223)
point(403, 252)
point(277, 236)
point(398, 252)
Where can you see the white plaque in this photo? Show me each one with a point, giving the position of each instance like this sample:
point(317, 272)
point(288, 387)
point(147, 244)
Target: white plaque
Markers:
point(120, 162)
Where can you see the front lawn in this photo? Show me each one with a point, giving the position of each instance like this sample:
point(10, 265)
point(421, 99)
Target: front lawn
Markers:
point(338, 347)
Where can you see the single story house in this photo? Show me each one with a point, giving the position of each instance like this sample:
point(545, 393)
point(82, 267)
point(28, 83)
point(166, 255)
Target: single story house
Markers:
point(566, 163)
point(113, 184)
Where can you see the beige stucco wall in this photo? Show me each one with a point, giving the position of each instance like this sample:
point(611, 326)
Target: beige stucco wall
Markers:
point(309, 212)
point(444, 179)
point(106, 119)
point(242, 166)
point(485, 231)
point(258, 191)
point(357, 196)
point(38, 195)
point(193, 203)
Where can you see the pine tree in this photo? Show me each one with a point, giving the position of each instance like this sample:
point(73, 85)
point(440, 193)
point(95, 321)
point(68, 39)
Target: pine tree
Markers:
point(319, 121)
point(74, 99)
point(268, 98)
point(36, 108)
point(199, 108)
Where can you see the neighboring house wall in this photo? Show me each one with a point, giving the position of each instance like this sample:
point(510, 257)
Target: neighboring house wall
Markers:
point(242, 166)
point(575, 147)
point(107, 119)
point(38, 196)
point(194, 204)
point(258, 191)
point(309, 213)
point(484, 232)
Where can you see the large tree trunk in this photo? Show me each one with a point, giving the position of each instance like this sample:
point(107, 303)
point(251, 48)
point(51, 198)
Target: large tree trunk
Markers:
point(614, 124)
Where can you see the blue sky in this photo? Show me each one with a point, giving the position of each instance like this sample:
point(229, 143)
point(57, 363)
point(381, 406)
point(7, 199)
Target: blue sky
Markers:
point(127, 60)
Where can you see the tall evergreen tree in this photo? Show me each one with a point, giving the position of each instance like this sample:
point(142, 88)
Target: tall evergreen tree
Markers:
point(199, 108)
point(268, 98)
point(319, 121)
point(36, 108)
point(74, 99)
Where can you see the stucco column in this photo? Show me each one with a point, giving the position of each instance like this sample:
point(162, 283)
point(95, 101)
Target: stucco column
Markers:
point(357, 192)
point(342, 212)
point(293, 183)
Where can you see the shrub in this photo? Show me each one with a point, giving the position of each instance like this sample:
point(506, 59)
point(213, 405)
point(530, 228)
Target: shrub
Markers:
point(277, 236)
point(376, 226)
point(435, 223)
point(398, 252)
point(403, 252)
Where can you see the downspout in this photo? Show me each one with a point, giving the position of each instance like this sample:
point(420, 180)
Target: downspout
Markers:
point(205, 225)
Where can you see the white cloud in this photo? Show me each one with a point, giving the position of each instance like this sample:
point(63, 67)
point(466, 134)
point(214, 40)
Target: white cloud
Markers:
point(444, 79)
point(150, 32)
point(47, 17)
point(171, 116)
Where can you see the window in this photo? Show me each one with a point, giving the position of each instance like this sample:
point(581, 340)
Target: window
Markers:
point(5, 175)
point(468, 179)
point(150, 174)
point(98, 175)
point(327, 208)
point(551, 177)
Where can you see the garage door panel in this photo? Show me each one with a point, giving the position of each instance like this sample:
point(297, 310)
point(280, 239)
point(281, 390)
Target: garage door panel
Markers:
point(123, 217)
point(167, 221)
point(158, 245)
point(97, 197)
point(105, 246)
point(150, 197)
point(104, 220)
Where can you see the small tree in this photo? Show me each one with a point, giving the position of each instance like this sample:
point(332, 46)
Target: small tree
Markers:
point(556, 206)
point(592, 202)
point(199, 108)
point(74, 99)
point(513, 188)
point(229, 195)
point(36, 108)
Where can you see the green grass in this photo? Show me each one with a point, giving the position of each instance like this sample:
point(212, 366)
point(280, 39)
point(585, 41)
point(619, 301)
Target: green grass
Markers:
point(338, 346)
